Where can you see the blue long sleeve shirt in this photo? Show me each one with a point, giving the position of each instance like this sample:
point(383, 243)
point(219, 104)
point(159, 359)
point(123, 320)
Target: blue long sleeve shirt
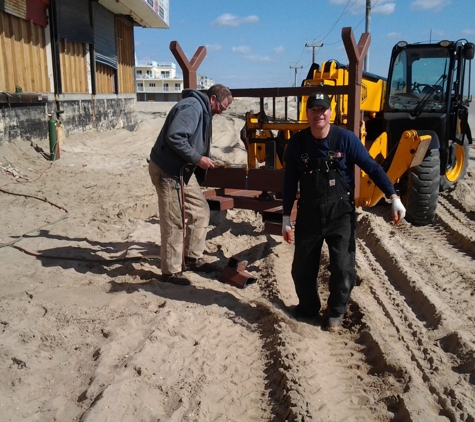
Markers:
point(352, 153)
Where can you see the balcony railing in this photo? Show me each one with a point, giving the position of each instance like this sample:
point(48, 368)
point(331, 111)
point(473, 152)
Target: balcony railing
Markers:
point(157, 89)
point(142, 76)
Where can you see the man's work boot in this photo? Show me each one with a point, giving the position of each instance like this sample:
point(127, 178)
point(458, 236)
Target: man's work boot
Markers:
point(299, 313)
point(334, 323)
point(178, 279)
point(198, 265)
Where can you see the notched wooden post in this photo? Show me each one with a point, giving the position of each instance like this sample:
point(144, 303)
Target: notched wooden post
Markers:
point(188, 67)
point(356, 55)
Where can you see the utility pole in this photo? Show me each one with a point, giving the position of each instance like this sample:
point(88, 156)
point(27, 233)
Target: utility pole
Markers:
point(313, 46)
point(367, 25)
point(295, 67)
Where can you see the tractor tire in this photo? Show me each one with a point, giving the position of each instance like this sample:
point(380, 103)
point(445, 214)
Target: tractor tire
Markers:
point(459, 168)
point(422, 193)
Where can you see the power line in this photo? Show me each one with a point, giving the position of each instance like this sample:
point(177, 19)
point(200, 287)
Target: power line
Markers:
point(344, 12)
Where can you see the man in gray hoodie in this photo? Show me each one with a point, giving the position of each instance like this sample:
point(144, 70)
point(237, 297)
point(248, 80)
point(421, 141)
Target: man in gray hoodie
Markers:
point(178, 164)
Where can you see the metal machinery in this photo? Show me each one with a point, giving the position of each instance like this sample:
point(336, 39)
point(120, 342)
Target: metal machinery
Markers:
point(428, 90)
point(414, 123)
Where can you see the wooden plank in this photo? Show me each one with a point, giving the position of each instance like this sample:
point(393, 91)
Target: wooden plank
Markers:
point(73, 67)
point(63, 65)
point(82, 65)
point(23, 54)
point(76, 69)
point(46, 83)
point(30, 67)
point(220, 203)
point(4, 47)
point(125, 57)
point(32, 62)
point(14, 51)
point(23, 99)
point(105, 79)
point(39, 57)
point(18, 46)
point(239, 178)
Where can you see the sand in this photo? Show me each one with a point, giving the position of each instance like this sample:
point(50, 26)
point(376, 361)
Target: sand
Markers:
point(89, 333)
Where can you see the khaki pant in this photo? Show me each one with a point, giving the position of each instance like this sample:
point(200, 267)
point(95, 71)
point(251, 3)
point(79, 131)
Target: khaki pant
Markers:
point(197, 216)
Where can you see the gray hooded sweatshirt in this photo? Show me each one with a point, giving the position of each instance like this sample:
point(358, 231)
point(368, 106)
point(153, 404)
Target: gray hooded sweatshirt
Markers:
point(185, 137)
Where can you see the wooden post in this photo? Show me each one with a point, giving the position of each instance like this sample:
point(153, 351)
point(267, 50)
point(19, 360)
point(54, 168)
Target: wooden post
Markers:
point(188, 67)
point(356, 55)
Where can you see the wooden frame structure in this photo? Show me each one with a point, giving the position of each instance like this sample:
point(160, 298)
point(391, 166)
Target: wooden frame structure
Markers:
point(259, 189)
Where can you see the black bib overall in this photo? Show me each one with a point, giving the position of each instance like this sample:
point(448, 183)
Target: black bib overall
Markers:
point(326, 212)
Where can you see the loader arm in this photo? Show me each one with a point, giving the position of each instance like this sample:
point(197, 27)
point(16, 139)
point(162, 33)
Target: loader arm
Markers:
point(410, 152)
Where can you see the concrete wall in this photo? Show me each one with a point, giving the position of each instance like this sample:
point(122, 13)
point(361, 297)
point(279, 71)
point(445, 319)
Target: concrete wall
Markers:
point(77, 113)
point(102, 113)
point(26, 122)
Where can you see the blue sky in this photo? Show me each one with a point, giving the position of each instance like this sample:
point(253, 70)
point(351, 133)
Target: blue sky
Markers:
point(262, 43)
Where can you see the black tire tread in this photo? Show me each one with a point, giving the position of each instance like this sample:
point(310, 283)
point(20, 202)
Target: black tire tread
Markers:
point(423, 190)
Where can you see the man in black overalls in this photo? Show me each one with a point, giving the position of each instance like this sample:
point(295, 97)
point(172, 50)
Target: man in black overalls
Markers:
point(321, 159)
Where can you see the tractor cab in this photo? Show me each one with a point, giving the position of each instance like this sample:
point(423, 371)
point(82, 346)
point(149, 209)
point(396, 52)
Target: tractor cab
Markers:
point(429, 90)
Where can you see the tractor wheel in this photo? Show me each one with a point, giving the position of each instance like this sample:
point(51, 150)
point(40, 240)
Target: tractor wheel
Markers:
point(423, 190)
point(459, 167)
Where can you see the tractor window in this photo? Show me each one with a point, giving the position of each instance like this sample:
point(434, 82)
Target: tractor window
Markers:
point(398, 82)
point(419, 80)
point(429, 73)
point(466, 95)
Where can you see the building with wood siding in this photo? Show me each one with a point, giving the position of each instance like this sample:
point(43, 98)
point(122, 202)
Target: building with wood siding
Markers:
point(70, 61)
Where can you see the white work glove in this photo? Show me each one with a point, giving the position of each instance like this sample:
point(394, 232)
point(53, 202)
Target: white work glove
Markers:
point(286, 229)
point(398, 212)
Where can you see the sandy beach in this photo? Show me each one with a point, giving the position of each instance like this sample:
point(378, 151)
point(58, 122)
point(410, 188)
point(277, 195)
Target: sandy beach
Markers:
point(89, 333)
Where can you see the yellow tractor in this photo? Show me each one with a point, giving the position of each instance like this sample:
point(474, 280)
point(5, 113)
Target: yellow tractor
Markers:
point(414, 123)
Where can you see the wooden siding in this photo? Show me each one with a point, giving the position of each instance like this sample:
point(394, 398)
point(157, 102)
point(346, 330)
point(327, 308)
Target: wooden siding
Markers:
point(16, 8)
point(125, 56)
point(23, 60)
point(105, 79)
point(73, 67)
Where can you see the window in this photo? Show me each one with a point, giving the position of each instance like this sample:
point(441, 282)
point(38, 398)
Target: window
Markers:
point(165, 74)
point(419, 80)
point(177, 87)
point(139, 72)
point(151, 84)
point(165, 87)
point(466, 96)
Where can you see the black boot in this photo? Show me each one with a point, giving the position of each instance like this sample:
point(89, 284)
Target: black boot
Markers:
point(198, 265)
point(178, 279)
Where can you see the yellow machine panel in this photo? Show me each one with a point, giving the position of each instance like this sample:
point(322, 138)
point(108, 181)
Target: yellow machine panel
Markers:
point(332, 73)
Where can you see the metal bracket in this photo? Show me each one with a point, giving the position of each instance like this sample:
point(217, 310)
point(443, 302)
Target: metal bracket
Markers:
point(236, 275)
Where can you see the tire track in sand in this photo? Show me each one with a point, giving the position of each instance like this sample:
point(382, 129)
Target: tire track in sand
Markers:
point(320, 371)
point(418, 322)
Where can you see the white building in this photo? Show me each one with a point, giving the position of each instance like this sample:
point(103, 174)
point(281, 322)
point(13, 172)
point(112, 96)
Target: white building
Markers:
point(160, 82)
